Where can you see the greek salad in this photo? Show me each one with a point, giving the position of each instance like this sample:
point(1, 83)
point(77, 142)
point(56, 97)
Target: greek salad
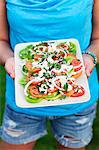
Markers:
point(50, 70)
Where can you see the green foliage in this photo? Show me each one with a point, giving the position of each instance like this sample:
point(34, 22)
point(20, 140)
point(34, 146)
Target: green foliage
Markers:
point(2, 91)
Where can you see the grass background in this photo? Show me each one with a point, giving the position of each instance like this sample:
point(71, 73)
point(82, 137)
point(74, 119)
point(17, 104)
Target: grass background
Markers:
point(48, 142)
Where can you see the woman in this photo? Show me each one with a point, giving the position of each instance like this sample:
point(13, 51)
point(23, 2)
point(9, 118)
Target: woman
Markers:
point(39, 20)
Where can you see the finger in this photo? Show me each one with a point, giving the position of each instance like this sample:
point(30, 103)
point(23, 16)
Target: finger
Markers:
point(87, 70)
point(13, 66)
point(85, 65)
point(13, 71)
point(12, 75)
point(88, 73)
point(90, 68)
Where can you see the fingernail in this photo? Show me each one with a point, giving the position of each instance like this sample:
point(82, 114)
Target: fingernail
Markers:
point(88, 74)
point(12, 75)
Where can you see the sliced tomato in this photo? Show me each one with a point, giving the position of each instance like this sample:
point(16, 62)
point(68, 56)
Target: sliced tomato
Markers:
point(69, 93)
point(35, 83)
point(78, 91)
point(52, 90)
point(55, 58)
point(35, 92)
point(77, 65)
point(36, 70)
point(41, 48)
point(78, 68)
point(61, 54)
point(70, 82)
point(77, 75)
point(76, 62)
point(37, 56)
point(59, 73)
point(55, 88)
point(72, 55)
point(64, 46)
point(29, 65)
point(58, 83)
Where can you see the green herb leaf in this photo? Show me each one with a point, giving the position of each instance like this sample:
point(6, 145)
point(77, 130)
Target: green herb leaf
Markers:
point(24, 69)
point(57, 66)
point(42, 92)
point(66, 86)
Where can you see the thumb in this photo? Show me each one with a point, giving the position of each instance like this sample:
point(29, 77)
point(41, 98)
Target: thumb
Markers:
point(12, 73)
point(88, 71)
point(10, 70)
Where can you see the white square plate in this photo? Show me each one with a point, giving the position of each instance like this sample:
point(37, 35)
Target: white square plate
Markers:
point(19, 90)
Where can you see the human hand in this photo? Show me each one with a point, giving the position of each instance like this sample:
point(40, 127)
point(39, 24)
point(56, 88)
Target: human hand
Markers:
point(88, 63)
point(10, 67)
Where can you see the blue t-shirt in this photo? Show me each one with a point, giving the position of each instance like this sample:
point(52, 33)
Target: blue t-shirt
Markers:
point(40, 20)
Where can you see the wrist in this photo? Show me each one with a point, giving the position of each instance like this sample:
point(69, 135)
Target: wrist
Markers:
point(91, 55)
point(8, 56)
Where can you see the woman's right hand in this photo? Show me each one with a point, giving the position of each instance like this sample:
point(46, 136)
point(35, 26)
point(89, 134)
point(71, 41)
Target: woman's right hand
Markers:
point(10, 67)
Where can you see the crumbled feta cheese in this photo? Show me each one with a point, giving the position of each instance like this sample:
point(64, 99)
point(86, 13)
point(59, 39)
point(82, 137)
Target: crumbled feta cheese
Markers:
point(41, 72)
point(35, 64)
point(49, 59)
point(45, 65)
point(43, 88)
point(68, 68)
point(69, 88)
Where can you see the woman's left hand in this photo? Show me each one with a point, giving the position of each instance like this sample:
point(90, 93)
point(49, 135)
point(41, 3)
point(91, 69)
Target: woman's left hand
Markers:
point(88, 63)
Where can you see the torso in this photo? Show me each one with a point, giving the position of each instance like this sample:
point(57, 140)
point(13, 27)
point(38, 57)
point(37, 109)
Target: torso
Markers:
point(40, 20)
